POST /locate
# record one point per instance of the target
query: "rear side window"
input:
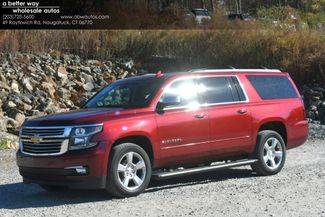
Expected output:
(273, 87)
(220, 90)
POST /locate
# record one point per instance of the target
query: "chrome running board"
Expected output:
(190, 171)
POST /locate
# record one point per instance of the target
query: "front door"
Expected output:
(183, 127)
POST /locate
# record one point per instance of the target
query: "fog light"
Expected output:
(79, 169)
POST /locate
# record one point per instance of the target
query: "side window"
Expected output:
(239, 89)
(220, 90)
(273, 87)
(216, 90)
(181, 93)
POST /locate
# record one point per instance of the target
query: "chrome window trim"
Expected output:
(65, 136)
(204, 105)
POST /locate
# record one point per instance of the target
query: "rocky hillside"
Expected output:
(39, 84)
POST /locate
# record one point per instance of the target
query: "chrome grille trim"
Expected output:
(53, 140)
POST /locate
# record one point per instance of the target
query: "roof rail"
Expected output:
(195, 70)
(235, 70)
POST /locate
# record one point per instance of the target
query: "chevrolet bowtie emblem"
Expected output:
(36, 139)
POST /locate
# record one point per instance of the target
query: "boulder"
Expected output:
(88, 86)
(20, 118)
(49, 89)
(27, 85)
(15, 86)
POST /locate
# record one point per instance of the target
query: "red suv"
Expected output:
(166, 125)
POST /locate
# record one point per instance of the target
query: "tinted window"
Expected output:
(273, 87)
(126, 94)
(180, 93)
(217, 90)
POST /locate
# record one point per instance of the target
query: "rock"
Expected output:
(15, 86)
(11, 104)
(3, 85)
(49, 69)
(71, 69)
(85, 69)
(88, 86)
(62, 74)
(12, 124)
(48, 88)
(97, 70)
(87, 78)
(44, 83)
(129, 64)
(27, 107)
(93, 62)
(20, 118)
(124, 74)
(31, 69)
(64, 93)
(37, 113)
(27, 85)
(3, 124)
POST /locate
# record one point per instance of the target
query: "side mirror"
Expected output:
(160, 108)
(168, 100)
(171, 101)
(162, 105)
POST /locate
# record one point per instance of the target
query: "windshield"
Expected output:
(131, 94)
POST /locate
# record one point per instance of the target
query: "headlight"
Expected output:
(80, 136)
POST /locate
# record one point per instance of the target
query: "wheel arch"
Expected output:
(277, 125)
(141, 140)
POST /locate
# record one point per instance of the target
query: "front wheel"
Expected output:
(271, 153)
(129, 170)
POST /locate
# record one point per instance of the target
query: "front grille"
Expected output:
(42, 132)
(43, 141)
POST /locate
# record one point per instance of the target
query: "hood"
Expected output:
(83, 116)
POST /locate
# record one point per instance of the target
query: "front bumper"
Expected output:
(86, 169)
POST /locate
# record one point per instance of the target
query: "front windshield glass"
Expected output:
(126, 94)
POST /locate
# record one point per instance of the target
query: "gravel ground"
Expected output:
(297, 191)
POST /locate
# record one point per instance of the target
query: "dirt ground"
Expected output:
(299, 190)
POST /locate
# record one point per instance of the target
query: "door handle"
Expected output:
(242, 111)
(199, 116)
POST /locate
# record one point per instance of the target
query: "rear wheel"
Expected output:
(129, 170)
(270, 152)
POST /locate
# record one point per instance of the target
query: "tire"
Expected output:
(128, 176)
(270, 145)
(53, 188)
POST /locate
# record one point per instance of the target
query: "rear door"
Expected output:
(230, 120)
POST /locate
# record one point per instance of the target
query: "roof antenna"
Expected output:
(263, 67)
(231, 67)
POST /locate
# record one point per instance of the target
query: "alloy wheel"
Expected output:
(273, 153)
(131, 171)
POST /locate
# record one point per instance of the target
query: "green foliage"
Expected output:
(4, 144)
(300, 52)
